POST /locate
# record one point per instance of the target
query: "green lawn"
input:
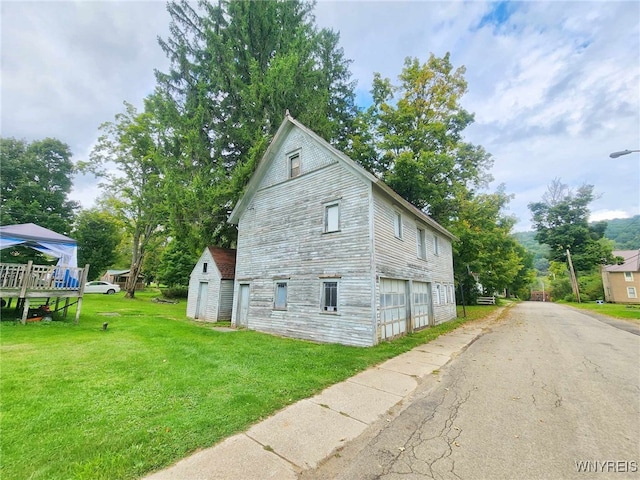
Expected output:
(80, 402)
(611, 309)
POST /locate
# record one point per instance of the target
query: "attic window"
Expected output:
(294, 165)
(204, 267)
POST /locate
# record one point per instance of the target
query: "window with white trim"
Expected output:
(436, 245)
(397, 224)
(438, 293)
(280, 296)
(628, 276)
(329, 302)
(332, 217)
(631, 292)
(294, 165)
(204, 267)
(420, 239)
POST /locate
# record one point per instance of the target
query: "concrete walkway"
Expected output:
(302, 435)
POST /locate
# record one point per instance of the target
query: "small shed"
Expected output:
(211, 285)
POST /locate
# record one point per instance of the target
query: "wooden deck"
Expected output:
(28, 282)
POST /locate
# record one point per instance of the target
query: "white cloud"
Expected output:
(555, 86)
(600, 215)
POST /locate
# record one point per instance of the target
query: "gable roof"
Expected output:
(285, 127)
(631, 261)
(225, 259)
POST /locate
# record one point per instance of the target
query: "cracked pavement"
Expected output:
(542, 389)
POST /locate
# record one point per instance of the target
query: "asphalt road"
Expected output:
(546, 393)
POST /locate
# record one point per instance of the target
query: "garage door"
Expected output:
(421, 304)
(393, 308)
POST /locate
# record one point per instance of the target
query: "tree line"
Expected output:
(236, 67)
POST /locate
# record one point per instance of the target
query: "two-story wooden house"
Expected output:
(327, 252)
(622, 282)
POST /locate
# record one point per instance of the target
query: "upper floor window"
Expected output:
(204, 267)
(294, 165)
(397, 224)
(332, 217)
(436, 245)
(628, 276)
(420, 238)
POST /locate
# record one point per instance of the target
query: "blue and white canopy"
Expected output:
(41, 239)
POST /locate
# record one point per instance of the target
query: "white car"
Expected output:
(99, 286)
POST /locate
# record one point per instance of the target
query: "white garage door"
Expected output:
(393, 307)
(421, 304)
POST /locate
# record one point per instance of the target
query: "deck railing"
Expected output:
(40, 277)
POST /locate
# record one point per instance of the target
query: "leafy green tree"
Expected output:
(36, 180)
(561, 221)
(176, 265)
(411, 137)
(98, 235)
(236, 67)
(136, 189)
(487, 247)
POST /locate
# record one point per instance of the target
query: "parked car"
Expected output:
(100, 286)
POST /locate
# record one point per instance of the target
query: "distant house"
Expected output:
(622, 282)
(210, 295)
(120, 277)
(327, 252)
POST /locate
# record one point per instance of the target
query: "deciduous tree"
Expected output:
(35, 184)
(561, 221)
(133, 143)
(411, 137)
(98, 235)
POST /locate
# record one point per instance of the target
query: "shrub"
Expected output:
(175, 292)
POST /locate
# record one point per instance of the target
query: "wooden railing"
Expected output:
(40, 277)
(486, 300)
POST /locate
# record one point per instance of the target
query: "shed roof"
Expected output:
(225, 259)
(631, 261)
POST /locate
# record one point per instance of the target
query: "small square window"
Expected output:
(294, 165)
(420, 237)
(397, 224)
(628, 276)
(280, 300)
(631, 292)
(204, 267)
(332, 218)
(330, 296)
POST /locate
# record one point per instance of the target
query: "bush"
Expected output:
(175, 292)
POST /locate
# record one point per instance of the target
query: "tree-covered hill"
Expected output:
(625, 232)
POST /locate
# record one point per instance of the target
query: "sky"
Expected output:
(554, 86)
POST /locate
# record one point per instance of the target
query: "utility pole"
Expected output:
(574, 280)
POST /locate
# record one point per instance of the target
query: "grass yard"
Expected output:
(616, 310)
(80, 402)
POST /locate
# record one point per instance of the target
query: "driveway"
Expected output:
(548, 392)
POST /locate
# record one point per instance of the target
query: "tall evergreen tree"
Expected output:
(236, 67)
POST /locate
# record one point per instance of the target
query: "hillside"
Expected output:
(625, 232)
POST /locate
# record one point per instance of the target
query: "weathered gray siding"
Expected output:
(281, 238)
(397, 258)
(226, 300)
(212, 277)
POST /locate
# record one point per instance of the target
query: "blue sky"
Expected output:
(554, 86)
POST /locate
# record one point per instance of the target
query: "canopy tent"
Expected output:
(41, 239)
